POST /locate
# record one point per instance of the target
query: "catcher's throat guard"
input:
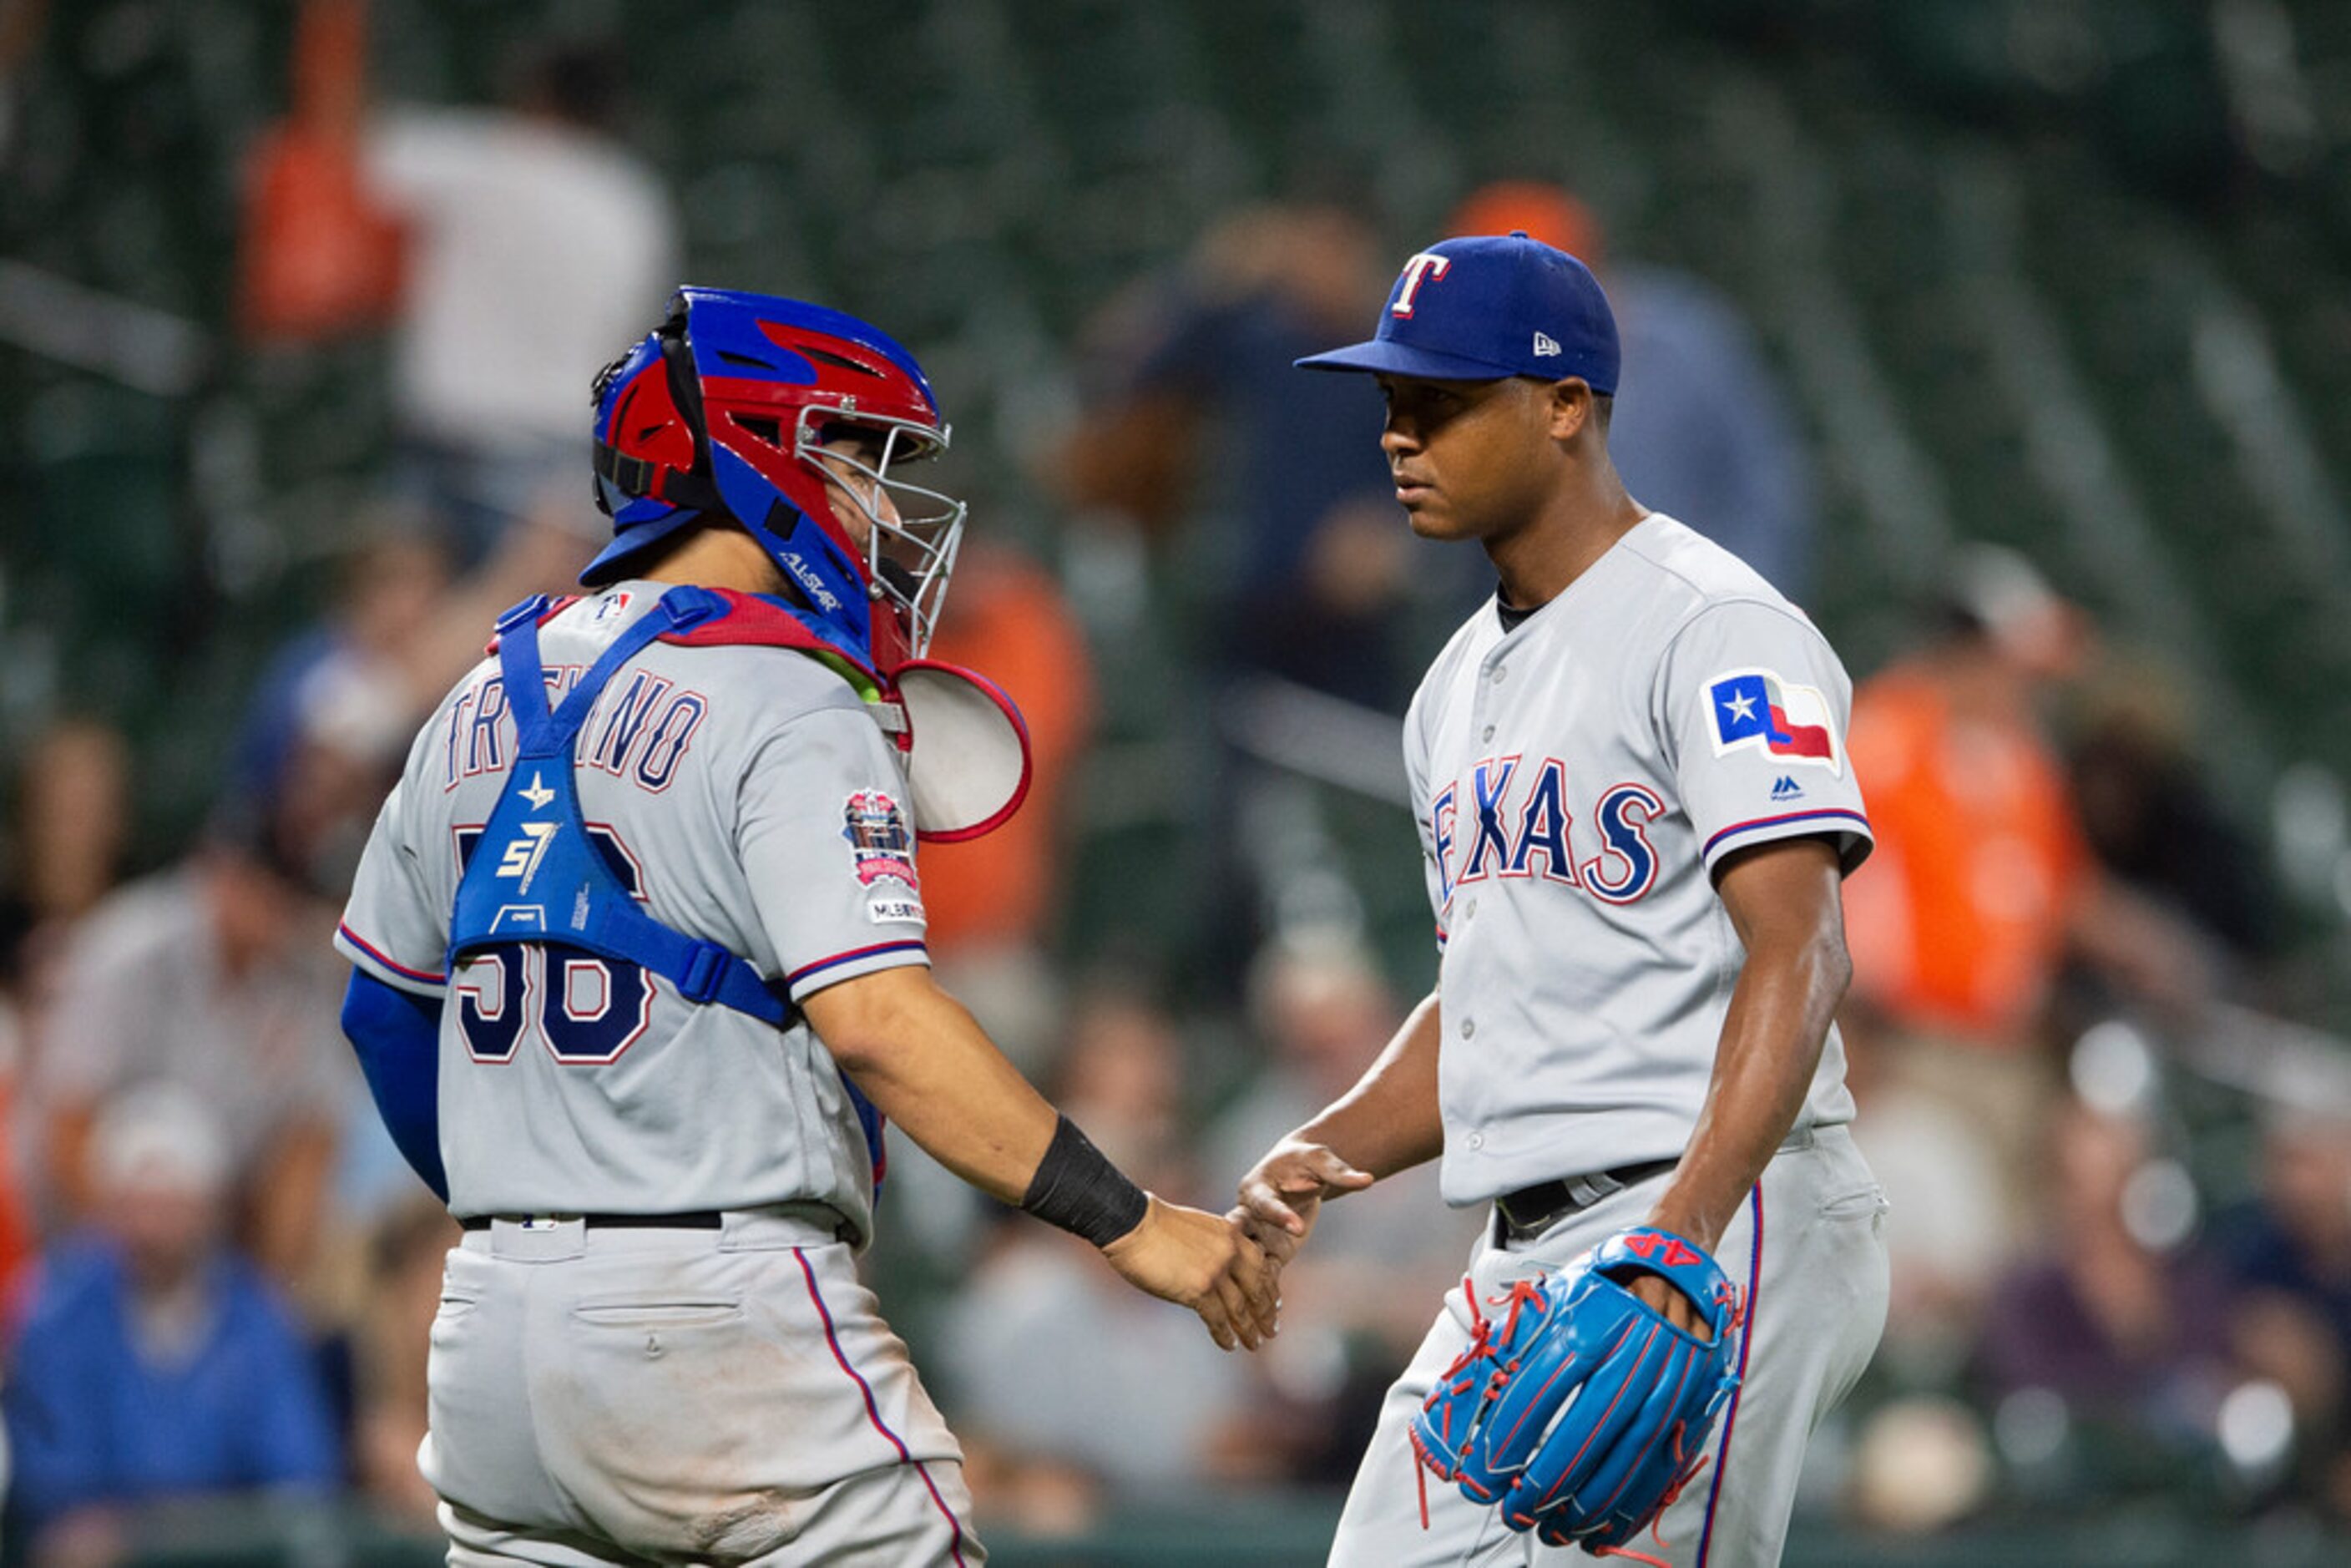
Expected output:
(1581, 1411)
(968, 759)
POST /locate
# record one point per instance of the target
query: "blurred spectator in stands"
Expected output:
(1954, 1230)
(1702, 428)
(992, 899)
(154, 1363)
(2116, 1317)
(216, 974)
(2152, 819)
(2289, 1253)
(1320, 1011)
(73, 819)
(531, 236)
(398, 632)
(72, 824)
(358, 680)
(1057, 1382)
(1291, 575)
(1299, 555)
(405, 1254)
(537, 237)
(1982, 886)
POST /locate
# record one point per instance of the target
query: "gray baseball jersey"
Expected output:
(749, 798)
(1577, 779)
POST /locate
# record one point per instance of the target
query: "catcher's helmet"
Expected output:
(722, 411)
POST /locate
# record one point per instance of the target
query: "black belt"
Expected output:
(1538, 1207)
(692, 1219)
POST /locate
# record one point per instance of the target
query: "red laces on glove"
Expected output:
(1485, 1344)
(1485, 1341)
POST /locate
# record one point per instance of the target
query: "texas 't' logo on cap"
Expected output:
(1486, 307)
(1424, 265)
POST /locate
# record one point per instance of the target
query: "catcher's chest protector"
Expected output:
(536, 876)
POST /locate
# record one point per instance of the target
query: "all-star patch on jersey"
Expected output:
(878, 840)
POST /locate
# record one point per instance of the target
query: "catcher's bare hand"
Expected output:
(1202, 1261)
(1284, 1191)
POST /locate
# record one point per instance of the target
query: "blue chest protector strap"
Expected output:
(536, 876)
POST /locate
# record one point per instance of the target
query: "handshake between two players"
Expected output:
(640, 975)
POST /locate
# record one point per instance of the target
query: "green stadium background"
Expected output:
(2068, 275)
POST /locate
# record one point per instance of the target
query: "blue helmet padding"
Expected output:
(808, 553)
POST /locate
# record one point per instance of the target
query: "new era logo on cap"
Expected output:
(1488, 306)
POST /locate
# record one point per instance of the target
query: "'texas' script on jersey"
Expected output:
(1516, 830)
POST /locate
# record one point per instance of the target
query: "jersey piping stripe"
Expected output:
(429, 976)
(805, 970)
(1746, 1344)
(1837, 813)
(873, 1411)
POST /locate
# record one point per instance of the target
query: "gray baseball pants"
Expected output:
(1808, 1252)
(607, 1395)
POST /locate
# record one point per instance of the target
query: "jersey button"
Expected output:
(1476, 1140)
(1489, 735)
(1499, 671)
(1469, 1028)
(1470, 912)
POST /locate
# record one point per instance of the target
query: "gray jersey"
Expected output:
(749, 798)
(1577, 779)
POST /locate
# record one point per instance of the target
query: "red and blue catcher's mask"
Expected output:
(724, 411)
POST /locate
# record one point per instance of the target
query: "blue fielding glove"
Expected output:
(1580, 1411)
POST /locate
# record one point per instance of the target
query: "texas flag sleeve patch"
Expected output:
(1756, 708)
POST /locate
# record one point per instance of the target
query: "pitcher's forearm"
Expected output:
(1389, 1121)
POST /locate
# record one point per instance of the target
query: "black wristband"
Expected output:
(1077, 1188)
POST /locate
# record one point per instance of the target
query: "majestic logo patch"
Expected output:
(1757, 709)
(879, 843)
(1787, 788)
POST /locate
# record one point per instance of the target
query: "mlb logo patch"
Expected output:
(1757, 709)
(879, 843)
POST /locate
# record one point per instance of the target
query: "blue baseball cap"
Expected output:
(1481, 309)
